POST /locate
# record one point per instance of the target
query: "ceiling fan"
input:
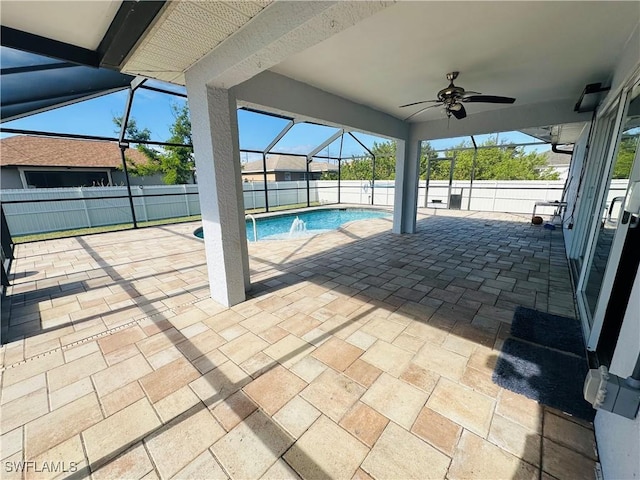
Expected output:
(452, 99)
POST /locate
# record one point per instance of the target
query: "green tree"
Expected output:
(626, 154)
(174, 163)
(360, 168)
(178, 162)
(152, 165)
(497, 162)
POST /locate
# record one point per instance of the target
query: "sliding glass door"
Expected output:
(591, 180)
(609, 227)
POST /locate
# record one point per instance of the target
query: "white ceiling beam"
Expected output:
(282, 95)
(281, 30)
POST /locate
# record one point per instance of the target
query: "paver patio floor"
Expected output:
(358, 354)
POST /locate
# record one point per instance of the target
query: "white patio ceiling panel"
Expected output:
(533, 51)
(77, 23)
(187, 31)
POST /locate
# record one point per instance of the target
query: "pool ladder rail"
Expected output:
(255, 228)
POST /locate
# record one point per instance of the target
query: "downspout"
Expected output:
(554, 149)
(583, 169)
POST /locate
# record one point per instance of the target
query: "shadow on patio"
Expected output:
(360, 351)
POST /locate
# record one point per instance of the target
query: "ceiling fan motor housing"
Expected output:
(451, 94)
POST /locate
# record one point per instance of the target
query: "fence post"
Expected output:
(84, 206)
(144, 203)
(495, 192)
(253, 195)
(186, 197)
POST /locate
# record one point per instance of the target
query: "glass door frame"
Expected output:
(615, 255)
(593, 176)
(620, 105)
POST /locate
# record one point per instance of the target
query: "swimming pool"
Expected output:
(296, 225)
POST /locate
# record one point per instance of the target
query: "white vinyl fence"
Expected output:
(280, 193)
(486, 195)
(49, 212)
(56, 214)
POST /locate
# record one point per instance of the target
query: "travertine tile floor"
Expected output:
(359, 354)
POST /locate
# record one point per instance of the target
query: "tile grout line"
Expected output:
(82, 442)
(106, 333)
(151, 459)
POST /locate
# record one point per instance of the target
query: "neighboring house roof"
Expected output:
(287, 163)
(27, 150)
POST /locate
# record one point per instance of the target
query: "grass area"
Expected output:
(107, 228)
(127, 226)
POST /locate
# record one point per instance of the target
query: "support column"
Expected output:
(217, 155)
(406, 187)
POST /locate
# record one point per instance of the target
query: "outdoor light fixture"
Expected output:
(590, 98)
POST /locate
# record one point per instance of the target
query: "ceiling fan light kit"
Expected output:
(453, 97)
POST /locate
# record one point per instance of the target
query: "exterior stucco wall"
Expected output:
(618, 437)
(257, 177)
(10, 178)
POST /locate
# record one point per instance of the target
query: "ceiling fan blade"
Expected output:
(418, 103)
(420, 111)
(459, 114)
(488, 99)
(468, 93)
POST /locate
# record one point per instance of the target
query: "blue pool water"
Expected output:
(315, 221)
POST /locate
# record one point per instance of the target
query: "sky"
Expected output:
(153, 110)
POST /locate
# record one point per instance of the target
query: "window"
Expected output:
(65, 178)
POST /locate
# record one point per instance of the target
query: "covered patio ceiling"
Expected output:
(532, 51)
